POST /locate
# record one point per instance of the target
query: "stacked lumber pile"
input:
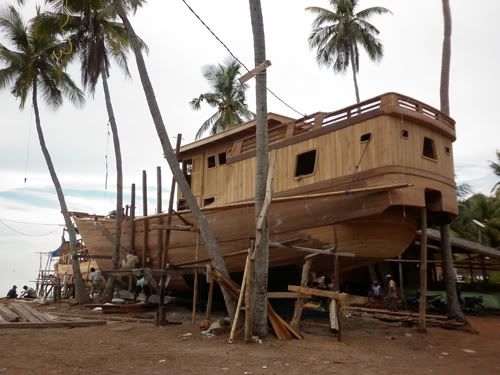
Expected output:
(281, 328)
(22, 315)
(407, 318)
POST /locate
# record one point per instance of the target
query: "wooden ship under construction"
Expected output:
(351, 181)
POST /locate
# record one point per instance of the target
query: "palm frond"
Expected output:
(208, 125)
(13, 27)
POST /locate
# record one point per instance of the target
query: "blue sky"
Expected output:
(179, 47)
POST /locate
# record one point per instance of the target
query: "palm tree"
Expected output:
(496, 170)
(228, 96)
(262, 166)
(31, 67)
(338, 33)
(95, 37)
(482, 209)
(122, 7)
(453, 304)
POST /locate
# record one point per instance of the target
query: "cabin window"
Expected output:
(429, 150)
(222, 158)
(208, 201)
(211, 161)
(404, 134)
(305, 163)
(365, 137)
(187, 169)
(447, 150)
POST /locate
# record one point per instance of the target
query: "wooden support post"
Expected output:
(471, 270)
(483, 270)
(158, 211)
(299, 303)
(401, 281)
(423, 269)
(164, 253)
(132, 217)
(209, 298)
(195, 284)
(249, 296)
(336, 270)
(240, 298)
(145, 213)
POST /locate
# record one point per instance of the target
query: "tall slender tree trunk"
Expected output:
(119, 187)
(450, 281)
(80, 294)
(262, 160)
(355, 79)
(206, 232)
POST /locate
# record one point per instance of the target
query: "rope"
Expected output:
(26, 234)
(238, 60)
(70, 49)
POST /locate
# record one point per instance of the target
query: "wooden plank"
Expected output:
(285, 295)
(299, 304)
(185, 228)
(34, 312)
(252, 73)
(24, 313)
(240, 298)
(54, 324)
(7, 314)
(328, 294)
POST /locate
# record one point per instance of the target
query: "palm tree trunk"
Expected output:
(445, 59)
(206, 232)
(262, 166)
(454, 310)
(450, 280)
(108, 293)
(80, 294)
(353, 66)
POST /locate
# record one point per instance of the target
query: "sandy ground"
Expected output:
(369, 347)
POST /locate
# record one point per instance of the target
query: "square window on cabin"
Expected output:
(305, 163)
(404, 134)
(222, 158)
(365, 137)
(429, 150)
(208, 201)
(211, 161)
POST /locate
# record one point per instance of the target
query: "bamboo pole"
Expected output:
(249, 297)
(240, 298)
(423, 269)
(158, 211)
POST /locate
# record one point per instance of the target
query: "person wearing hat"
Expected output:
(12, 294)
(392, 293)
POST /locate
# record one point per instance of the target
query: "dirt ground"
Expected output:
(369, 347)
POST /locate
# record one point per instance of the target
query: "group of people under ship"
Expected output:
(131, 261)
(27, 293)
(376, 294)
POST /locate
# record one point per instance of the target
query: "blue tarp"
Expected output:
(57, 252)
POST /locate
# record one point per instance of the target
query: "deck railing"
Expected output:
(390, 103)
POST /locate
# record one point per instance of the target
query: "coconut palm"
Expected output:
(228, 96)
(453, 304)
(123, 7)
(496, 170)
(262, 166)
(30, 67)
(96, 38)
(339, 32)
(479, 209)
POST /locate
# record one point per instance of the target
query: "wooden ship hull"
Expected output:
(352, 180)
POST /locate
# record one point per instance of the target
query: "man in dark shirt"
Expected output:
(12, 293)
